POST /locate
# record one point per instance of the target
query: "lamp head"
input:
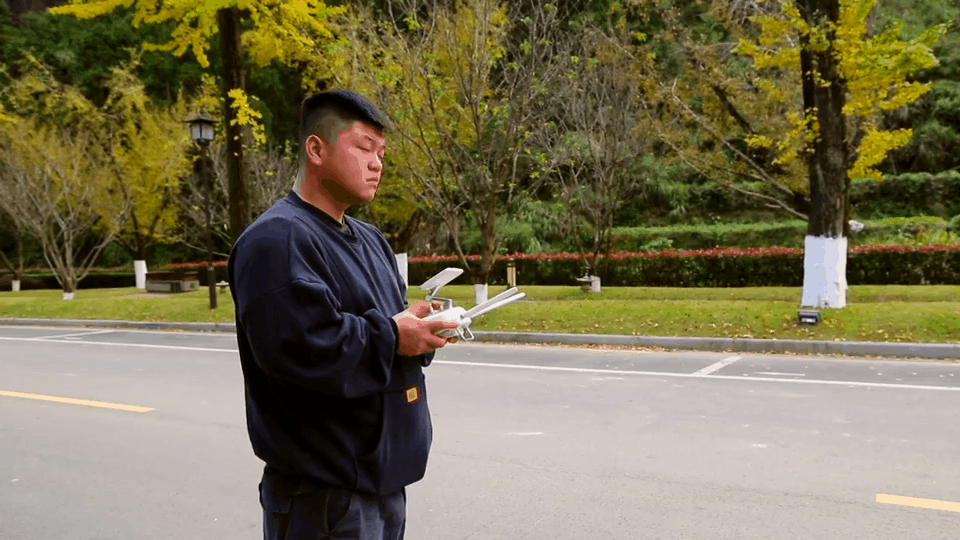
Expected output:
(201, 128)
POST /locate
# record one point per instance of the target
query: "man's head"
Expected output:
(341, 147)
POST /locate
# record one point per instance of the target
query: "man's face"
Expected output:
(353, 166)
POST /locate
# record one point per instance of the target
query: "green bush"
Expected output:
(94, 280)
(880, 267)
(911, 194)
(894, 230)
(954, 224)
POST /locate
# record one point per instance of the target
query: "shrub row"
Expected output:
(46, 280)
(106, 279)
(750, 235)
(782, 267)
(903, 195)
(909, 194)
(769, 267)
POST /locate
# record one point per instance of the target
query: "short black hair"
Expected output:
(346, 101)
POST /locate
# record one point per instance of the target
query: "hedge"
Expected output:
(766, 267)
(758, 235)
(908, 194)
(46, 280)
(779, 267)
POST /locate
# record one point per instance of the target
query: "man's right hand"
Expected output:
(418, 336)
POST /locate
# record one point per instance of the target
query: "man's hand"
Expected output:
(418, 336)
(419, 310)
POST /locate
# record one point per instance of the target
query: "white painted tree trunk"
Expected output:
(140, 271)
(403, 263)
(824, 272)
(15, 285)
(594, 283)
(479, 293)
(68, 296)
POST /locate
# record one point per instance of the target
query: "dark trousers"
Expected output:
(305, 510)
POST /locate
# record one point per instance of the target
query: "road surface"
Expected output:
(108, 434)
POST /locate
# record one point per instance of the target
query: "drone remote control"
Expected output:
(463, 317)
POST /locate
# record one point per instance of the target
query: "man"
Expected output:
(332, 361)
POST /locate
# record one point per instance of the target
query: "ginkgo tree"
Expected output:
(849, 76)
(15, 268)
(466, 99)
(280, 30)
(794, 107)
(146, 155)
(78, 176)
(54, 191)
(54, 179)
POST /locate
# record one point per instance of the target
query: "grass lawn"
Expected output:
(928, 313)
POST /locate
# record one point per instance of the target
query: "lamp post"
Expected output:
(201, 131)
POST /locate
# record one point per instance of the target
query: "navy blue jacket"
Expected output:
(327, 395)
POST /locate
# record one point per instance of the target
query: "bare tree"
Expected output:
(271, 172)
(597, 139)
(468, 104)
(14, 225)
(57, 188)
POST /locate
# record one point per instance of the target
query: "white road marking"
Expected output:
(780, 373)
(524, 433)
(717, 365)
(74, 334)
(695, 376)
(141, 345)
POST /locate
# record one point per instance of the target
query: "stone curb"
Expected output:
(853, 348)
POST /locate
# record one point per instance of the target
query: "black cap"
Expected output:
(346, 100)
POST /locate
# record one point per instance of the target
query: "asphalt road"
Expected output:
(530, 443)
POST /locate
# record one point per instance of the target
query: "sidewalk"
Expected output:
(852, 348)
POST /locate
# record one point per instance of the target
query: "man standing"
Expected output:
(332, 361)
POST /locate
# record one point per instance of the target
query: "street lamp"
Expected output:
(202, 131)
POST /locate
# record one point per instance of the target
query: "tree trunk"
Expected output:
(140, 274)
(15, 269)
(69, 287)
(825, 253)
(228, 21)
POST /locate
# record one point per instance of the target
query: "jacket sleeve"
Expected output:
(297, 333)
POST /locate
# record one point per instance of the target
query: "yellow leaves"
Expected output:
(288, 30)
(90, 9)
(875, 69)
(37, 93)
(4, 118)
(284, 30)
(120, 158)
(873, 149)
(758, 141)
(246, 115)
(54, 171)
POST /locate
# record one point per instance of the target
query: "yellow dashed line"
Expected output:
(72, 401)
(929, 504)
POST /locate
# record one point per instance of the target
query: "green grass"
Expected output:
(928, 314)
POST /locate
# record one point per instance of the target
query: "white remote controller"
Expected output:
(463, 317)
(454, 314)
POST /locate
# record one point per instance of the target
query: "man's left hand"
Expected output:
(420, 310)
